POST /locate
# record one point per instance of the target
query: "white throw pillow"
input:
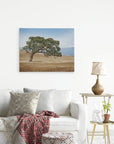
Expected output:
(61, 102)
(21, 103)
(45, 102)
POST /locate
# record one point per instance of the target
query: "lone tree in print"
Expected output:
(49, 47)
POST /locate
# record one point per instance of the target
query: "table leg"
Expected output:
(93, 133)
(86, 99)
(87, 137)
(109, 99)
(83, 100)
(105, 133)
(108, 134)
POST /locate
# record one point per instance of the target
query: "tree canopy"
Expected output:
(49, 46)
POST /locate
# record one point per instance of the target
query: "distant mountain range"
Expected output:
(67, 51)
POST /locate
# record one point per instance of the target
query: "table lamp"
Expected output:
(97, 69)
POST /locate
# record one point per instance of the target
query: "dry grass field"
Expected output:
(42, 63)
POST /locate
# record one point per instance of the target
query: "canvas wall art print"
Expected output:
(46, 49)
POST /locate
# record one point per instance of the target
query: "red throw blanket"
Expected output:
(31, 127)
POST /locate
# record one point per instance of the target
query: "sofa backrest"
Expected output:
(61, 101)
(4, 101)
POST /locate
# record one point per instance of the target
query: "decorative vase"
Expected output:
(106, 118)
(97, 88)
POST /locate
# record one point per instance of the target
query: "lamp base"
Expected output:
(97, 88)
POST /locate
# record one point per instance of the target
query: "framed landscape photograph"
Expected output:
(46, 49)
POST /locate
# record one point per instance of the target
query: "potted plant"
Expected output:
(106, 108)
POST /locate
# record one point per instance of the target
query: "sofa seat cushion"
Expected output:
(64, 123)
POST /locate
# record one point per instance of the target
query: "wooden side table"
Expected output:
(85, 96)
(106, 128)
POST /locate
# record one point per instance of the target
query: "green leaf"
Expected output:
(106, 106)
(104, 102)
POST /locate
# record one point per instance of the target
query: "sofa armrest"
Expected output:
(79, 111)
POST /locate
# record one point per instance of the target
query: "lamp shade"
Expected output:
(97, 68)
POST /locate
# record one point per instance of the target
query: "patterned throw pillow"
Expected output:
(21, 103)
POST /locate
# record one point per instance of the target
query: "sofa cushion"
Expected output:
(61, 102)
(11, 120)
(21, 103)
(57, 101)
(45, 102)
(64, 123)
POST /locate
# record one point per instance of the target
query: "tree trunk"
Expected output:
(31, 57)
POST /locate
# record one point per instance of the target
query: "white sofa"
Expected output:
(73, 120)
